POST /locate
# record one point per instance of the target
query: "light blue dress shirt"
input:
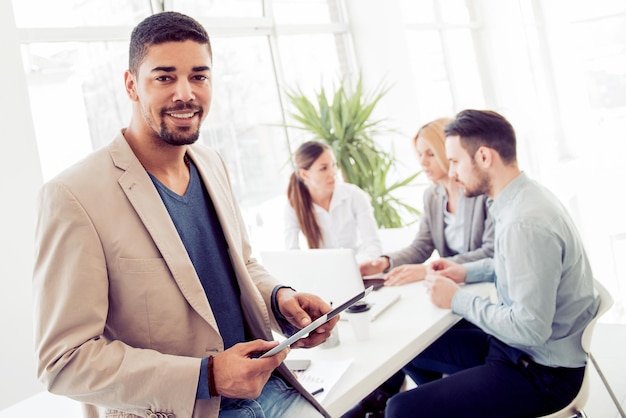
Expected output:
(542, 275)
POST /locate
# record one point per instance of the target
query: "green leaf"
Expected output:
(346, 125)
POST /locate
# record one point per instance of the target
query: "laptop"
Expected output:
(331, 274)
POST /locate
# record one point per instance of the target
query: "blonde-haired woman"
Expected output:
(329, 214)
(458, 227)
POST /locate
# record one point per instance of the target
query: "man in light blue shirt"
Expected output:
(521, 356)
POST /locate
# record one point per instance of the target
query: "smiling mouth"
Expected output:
(182, 115)
(182, 111)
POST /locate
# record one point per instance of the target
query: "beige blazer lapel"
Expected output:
(146, 201)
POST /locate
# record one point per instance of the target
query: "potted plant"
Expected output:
(345, 124)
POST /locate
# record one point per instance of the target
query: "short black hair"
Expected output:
(160, 28)
(477, 128)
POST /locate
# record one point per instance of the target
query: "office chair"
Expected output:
(575, 408)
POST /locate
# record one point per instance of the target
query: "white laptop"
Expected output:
(331, 274)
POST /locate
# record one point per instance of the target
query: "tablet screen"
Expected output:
(317, 323)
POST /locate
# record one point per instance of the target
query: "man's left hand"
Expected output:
(302, 308)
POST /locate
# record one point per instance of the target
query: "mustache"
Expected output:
(182, 106)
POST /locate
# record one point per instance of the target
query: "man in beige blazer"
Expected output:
(123, 321)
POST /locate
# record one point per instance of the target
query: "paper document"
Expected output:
(321, 376)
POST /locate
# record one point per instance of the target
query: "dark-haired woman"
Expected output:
(328, 213)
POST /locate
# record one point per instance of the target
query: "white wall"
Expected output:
(382, 54)
(381, 49)
(20, 178)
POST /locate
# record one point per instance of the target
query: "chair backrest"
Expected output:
(606, 301)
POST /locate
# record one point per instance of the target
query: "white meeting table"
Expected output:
(399, 334)
(396, 336)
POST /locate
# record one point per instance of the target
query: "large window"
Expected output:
(75, 53)
(443, 59)
(557, 70)
(78, 13)
(588, 44)
(77, 97)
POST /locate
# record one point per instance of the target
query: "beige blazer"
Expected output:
(121, 319)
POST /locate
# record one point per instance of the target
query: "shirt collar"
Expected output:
(340, 194)
(508, 194)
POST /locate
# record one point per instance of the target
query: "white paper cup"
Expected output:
(359, 316)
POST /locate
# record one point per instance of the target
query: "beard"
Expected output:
(482, 185)
(180, 136)
(184, 136)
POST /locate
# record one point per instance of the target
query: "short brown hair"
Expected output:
(161, 28)
(477, 128)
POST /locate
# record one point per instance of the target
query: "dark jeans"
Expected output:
(486, 378)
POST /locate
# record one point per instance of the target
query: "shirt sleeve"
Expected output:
(286, 327)
(203, 380)
(527, 296)
(480, 271)
(422, 245)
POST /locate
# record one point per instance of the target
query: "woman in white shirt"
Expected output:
(329, 214)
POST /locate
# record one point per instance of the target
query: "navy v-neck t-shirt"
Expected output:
(200, 230)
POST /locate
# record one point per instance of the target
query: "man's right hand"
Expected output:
(238, 375)
(375, 266)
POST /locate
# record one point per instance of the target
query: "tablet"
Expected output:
(317, 323)
(376, 282)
